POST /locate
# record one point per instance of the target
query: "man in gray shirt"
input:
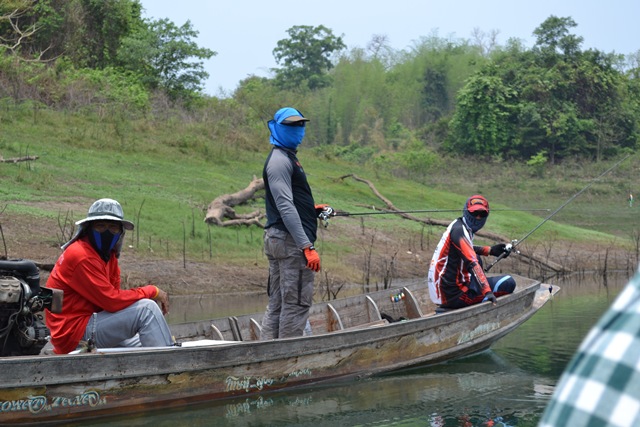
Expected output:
(290, 231)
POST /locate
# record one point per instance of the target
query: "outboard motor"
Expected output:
(22, 303)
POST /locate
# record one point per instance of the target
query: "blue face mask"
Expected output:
(104, 242)
(286, 136)
(472, 221)
(475, 224)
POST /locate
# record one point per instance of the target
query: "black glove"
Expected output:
(499, 249)
(489, 296)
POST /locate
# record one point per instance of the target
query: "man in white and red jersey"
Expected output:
(456, 278)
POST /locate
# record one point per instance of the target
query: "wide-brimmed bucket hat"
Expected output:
(107, 209)
(103, 209)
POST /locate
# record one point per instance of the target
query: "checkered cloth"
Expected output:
(601, 384)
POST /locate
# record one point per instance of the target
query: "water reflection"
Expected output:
(547, 341)
(188, 308)
(473, 390)
(508, 385)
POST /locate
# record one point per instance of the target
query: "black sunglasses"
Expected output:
(480, 214)
(300, 123)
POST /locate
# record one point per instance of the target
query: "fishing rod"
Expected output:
(428, 210)
(324, 216)
(514, 243)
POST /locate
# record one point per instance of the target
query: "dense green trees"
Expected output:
(161, 53)
(85, 32)
(403, 110)
(106, 35)
(484, 119)
(554, 98)
(306, 57)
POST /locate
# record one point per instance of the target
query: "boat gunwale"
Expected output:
(326, 342)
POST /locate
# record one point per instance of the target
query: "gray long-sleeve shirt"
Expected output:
(289, 202)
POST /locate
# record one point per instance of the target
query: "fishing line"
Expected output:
(429, 210)
(515, 243)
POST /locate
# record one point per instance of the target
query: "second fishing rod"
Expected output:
(515, 243)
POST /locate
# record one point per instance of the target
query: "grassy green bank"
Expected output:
(165, 173)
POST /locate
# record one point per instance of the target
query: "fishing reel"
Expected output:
(325, 214)
(511, 247)
(508, 248)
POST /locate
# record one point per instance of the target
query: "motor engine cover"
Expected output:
(10, 290)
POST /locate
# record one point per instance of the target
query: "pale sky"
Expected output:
(245, 32)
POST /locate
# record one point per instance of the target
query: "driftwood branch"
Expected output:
(18, 159)
(220, 211)
(18, 34)
(13, 39)
(491, 236)
(390, 207)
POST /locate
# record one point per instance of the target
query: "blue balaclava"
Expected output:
(283, 135)
(103, 242)
(469, 212)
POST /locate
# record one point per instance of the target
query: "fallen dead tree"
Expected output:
(429, 221)
(221, 210)
(529, 258)
(18, 159)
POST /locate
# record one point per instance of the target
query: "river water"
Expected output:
(508, 385)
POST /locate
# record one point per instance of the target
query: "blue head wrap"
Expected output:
(283, 135)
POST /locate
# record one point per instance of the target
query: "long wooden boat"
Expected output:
(223, 358)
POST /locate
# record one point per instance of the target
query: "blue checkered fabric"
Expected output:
(601, 384)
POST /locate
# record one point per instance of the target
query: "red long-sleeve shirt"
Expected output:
(90, 285)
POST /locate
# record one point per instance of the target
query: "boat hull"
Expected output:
(63, 387)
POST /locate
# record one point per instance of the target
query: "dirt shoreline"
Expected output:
(34, 239)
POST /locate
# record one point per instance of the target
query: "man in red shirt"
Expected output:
(456, 278)
(95, 309)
